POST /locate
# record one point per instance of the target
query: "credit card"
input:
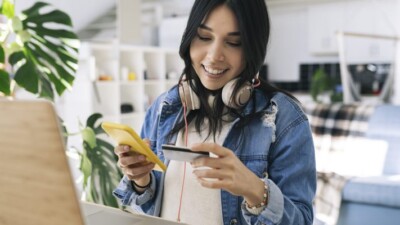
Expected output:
(173, 152)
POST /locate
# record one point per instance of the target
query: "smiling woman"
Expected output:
(261, 164)
(216, 51)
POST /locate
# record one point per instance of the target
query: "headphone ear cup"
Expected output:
(242, 96)
(188, 97)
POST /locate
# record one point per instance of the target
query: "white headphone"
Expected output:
(192, 101)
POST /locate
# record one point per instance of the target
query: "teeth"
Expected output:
(213, 71)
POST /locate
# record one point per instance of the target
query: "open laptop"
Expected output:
(36, 186)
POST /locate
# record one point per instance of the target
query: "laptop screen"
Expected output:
(36, 186)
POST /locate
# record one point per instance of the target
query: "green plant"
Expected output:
(41, 50)
(39, 53)
(98, 164)
(322, 83)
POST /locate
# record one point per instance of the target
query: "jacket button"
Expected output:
(233, 222)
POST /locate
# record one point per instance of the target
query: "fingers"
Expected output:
(131, 159)
(214, 184)
(210, 173)
(147, 141)
(121, 149)
(138, 171)
(133, 165)
(215, 163)
(211, 147)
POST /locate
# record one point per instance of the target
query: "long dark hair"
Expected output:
(254, 28)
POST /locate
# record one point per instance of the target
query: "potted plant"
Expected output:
(323, 84)
(39, 53)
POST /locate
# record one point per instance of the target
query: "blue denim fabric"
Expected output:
(278, 144)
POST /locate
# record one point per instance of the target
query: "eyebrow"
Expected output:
(236, 33)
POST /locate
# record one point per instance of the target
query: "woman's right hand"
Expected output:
(134, 165)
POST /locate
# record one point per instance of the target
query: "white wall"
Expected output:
(302, 33)
(82, 12)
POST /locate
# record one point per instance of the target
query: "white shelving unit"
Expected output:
(132, 75)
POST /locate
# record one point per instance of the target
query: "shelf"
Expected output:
(121, 61)
(134, 115)
(153, 82)
(132, 83)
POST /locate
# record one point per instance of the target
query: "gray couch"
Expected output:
(372, 199)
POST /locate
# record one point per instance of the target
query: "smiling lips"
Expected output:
(213, 71)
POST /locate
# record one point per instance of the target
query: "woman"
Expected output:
(262, 165)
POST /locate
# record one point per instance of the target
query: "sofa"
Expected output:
(360, 144)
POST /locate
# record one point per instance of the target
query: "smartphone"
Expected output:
(124, 135)
(173, 152)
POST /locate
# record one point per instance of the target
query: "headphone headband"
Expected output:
(192, 102)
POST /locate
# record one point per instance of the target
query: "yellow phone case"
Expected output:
(124, 135)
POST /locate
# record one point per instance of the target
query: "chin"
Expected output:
(212, 87)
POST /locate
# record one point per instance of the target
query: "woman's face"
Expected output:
(216, 52)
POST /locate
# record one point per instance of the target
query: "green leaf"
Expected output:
(2, 54)
(34, 10)
(86, 168)
(107, 196)
(16, 24)
(93, 189)
(7, 8)
(64, 130)
(105, 174)
(49, 57)
(91, 122)
(55, 16)
(60, 83)
(5, 82)
(89, 136)
(27, 75)
(46, 90)
(320, 83)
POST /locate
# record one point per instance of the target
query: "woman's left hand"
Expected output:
(227, 172)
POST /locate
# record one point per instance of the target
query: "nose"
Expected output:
(216, 53)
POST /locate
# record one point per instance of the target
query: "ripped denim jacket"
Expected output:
(278, 144)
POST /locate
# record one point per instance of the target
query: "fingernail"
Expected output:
(126, 148)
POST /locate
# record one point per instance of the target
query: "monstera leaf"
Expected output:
(4, 76)
(98, 164)
(47, 61)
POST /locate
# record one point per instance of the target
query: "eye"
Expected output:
(235, 44)
(203, 38)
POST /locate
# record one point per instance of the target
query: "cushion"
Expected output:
(380, 190)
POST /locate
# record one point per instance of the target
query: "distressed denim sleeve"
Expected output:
(139, 202)
(292, 179)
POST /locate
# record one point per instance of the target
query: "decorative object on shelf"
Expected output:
(322, 84)
(105, 77)
(132, 76)
(127, 108)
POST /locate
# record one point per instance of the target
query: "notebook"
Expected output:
(36, 185)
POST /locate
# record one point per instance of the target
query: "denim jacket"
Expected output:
(277, 146)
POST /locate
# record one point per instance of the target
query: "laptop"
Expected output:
(36, 185)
